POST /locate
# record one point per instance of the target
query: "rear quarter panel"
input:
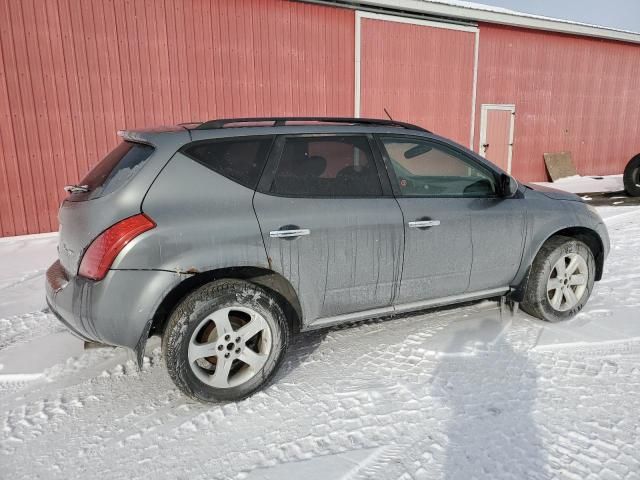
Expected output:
(204, 222)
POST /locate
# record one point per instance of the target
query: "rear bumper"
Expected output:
(117, 310)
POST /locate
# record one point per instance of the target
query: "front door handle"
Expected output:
(424, 223)
(298, 232)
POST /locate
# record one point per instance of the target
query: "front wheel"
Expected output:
(561, 280)
(225, 340)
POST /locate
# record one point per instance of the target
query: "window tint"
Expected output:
(240, 159)
(114, 170)
(340, 166)
(423, 168)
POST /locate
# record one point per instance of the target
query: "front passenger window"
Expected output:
(426, 169)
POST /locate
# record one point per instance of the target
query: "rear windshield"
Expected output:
(114, 170)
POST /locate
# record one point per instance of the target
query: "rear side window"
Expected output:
(114, 170)
(327, 166)
(240, 159)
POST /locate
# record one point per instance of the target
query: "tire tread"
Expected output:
(176, 329)
(629, 182)
(533, 302)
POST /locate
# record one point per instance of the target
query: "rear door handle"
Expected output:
(289, 233)
(424, 223)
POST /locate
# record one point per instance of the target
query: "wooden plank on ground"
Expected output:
(560, 165)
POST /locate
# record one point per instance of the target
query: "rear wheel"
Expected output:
(561, 280)
(632, 177)
(225, 341)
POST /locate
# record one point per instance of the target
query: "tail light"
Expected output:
(97, 259)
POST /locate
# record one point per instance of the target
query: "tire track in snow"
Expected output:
(24, 278)
(490, 409)
(23, 328)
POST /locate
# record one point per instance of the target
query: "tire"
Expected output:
(632, 177)
(249, 346)
(541, 298)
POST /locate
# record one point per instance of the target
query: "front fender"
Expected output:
(547, 217)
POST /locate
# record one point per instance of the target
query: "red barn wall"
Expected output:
(420, 74)
(571, 93)
(73, 72)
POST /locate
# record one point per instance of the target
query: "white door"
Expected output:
(496, 134)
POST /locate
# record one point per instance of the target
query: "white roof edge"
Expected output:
(473, 12)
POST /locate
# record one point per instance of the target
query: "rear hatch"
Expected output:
(113, 190)
(96, 202)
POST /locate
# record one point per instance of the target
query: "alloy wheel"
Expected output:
(567, 282)
(229, 347)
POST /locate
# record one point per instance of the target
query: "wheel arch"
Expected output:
(273, 282)
(586, 235)
(590, 238)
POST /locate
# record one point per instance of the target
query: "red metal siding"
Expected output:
(420, 74)
(571, 93)
(73, 72)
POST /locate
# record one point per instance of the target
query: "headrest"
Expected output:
(314, 165)
(347, 172)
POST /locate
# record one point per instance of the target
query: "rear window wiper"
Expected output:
(76, 188)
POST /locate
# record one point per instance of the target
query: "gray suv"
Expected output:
(227, 237)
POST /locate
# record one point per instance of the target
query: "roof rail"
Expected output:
(279, 121)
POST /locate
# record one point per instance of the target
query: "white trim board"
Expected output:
(482, 13)
(413, 21)
(483, 127)
(356, 91)
(474, 94)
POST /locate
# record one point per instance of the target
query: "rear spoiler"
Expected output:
(152, 136)
(133, 136)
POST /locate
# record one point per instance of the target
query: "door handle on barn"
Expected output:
(424, 223)
(289, 233)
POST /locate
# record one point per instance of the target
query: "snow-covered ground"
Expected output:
(456, 393)
(579, 184)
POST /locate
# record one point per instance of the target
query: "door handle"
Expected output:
(424, 223)
(289, 233)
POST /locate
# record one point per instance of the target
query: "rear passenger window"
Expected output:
(240, 159)
(327, 166)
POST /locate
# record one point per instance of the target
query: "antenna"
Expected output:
(385, 111)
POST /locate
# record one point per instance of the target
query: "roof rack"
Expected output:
(280, 121)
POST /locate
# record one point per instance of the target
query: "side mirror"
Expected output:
(508, 186)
